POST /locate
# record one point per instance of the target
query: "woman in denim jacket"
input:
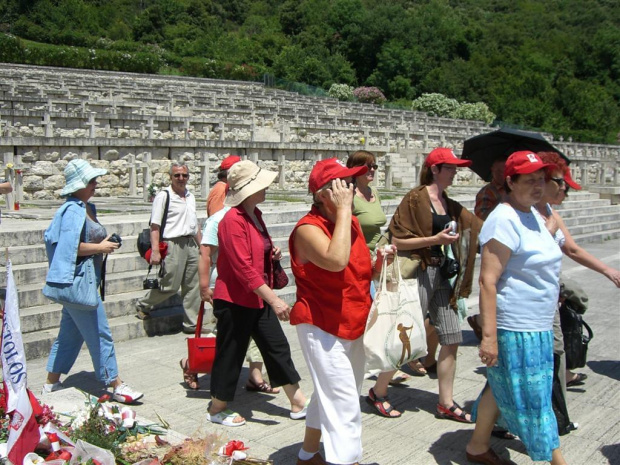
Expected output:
(75, 234)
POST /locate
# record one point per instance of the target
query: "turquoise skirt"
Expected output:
(521, 385)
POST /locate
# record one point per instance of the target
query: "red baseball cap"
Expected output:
(442, 155)
(229, 161)
(524, 162)
(568, 179)
(330, 169)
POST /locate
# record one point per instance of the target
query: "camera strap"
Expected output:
(102, 282)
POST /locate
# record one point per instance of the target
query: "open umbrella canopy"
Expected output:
(484, 149)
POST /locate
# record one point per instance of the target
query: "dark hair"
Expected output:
(513, 178)
(426, 174)
(222, 175)
(360, 158)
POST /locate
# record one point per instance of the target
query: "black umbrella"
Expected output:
(484, 149)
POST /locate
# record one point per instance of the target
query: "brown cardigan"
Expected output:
(413, 218)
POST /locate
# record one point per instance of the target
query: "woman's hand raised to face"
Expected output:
(341, 193)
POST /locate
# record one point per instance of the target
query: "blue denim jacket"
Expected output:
(62, 239)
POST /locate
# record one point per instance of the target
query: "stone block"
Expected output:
(111, 154)
(50, 183)
(32, 183)
(49, 156)
(42, 168)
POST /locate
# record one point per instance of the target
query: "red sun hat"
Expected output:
(325, 171)
(524, 162)
(229, 161)
(568, 179)
(442, 155)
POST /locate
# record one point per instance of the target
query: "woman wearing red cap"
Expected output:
(519, 286)
(559, 181)
(332, 269)
(421, 225)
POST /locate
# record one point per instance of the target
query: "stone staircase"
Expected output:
(589, 218)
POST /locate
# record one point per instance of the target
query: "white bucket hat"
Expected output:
(244, 179)
(78, 174)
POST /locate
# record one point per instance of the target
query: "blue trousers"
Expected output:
(77, 327)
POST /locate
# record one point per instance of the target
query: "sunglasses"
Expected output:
(372, 166)
(559, 181)
(181, 175)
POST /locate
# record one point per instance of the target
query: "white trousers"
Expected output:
(337, 369)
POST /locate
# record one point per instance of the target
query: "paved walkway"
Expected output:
(152, 365)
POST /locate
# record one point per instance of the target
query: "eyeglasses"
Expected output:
(559, 181)
(181, 175)
(372, 166)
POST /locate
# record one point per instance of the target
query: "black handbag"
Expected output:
(575, 338)
(448, 267)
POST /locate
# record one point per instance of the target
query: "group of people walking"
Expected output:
(334, 259)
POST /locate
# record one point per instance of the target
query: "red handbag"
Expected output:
(200, 350)
(280, 279)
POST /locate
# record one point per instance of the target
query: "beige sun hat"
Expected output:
(244, 179)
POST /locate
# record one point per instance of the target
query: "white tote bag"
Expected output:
(395, 331)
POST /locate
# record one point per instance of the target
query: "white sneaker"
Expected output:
(125, 395)
(47, 388)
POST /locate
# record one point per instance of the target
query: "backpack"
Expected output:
(144, 238)
(575, 340)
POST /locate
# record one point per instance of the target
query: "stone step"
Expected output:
(30, 293)
(124, 326)
(596, 237)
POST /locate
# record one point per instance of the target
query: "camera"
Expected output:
(452, 226)
(150, 283)
(116, 239)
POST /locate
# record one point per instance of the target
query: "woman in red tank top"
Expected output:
(332, 269)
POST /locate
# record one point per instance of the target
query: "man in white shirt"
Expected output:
(182, 234)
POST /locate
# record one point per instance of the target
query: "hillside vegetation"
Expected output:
(552, 65)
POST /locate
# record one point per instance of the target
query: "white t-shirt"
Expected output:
(528, 289)
(182, 220)
(209, 237)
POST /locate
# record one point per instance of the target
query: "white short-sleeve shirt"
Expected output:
(182, 219)
(528, 289)
(209, 237)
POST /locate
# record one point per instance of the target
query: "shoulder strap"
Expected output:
(165, 217)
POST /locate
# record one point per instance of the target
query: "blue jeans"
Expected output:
(77, 327)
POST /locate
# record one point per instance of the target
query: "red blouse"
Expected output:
(241, 259)
(336, 302)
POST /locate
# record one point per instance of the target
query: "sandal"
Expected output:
(226, 418)
(264, 387)
(417, 368)
(191, 379)
(378, 402)
(577, 380)
(473, 322)
(431, 369)
(399, 378)
(502, 433)
(450, 413)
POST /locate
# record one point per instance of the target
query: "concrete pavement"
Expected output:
(152, 366)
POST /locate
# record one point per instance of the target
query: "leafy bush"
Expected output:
(342, 92)
(11, 49)
(442, 106)
(369, 95)
(474, 111)
(435, 105)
